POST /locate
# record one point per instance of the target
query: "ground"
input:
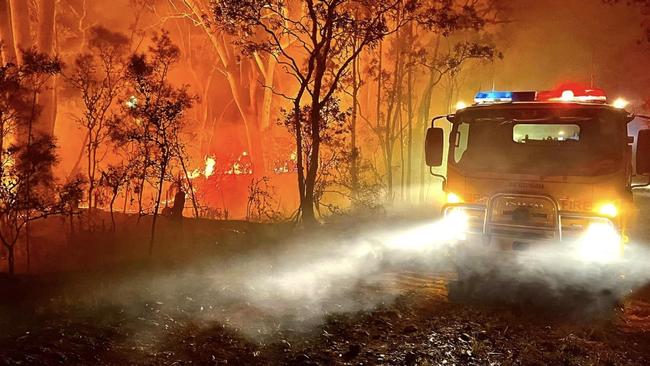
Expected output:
(314, 301)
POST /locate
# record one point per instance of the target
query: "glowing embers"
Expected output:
(241, 166)
(132, 102)
(286, 166)
(600, 243)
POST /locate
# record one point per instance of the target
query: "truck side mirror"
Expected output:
(642, 152)
(434, 143)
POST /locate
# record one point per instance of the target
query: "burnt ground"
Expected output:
(164, 313)
(417, 326)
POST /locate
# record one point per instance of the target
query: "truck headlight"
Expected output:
(608, 209)
(456, 224)
(600, 243)
(453, 198)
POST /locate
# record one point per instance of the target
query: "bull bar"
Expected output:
(558, 215)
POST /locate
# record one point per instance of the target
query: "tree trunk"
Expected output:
(409, 133)
(27, 247)
(425, 106)
(112, 213)
(30, 131)
(189, 183)
(20, 24)
(47, 97)
(161, 180)
(401, 149)
(90, 172)
(379, 90)
(80, 157)
(269, 75)
(299, 153)
(354, 152)
(391, 123)
(71, 215)
(126, 197)
(141, 193)
(6, 33)
(11, 260)
(308, 214)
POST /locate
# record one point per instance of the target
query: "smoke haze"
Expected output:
(549, 42)
(298, 284)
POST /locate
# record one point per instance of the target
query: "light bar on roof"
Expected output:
(488, 97)
(493, 97)
(573, 95)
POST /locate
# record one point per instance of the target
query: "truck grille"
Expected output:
(523, 211)
(523, 216)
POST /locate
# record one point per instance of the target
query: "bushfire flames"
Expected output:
(239, 166)
(208, 169)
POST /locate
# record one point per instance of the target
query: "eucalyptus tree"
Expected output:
(316, 43)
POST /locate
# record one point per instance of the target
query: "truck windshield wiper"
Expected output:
(523, 120)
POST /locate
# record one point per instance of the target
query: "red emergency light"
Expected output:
(573, 94)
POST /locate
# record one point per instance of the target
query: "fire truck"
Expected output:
(528, 169)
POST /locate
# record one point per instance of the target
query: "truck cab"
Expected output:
(526, 169)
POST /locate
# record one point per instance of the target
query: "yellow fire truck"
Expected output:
(531, 168)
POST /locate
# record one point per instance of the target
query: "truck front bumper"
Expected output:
(586, 236)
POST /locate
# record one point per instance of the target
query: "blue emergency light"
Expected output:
(487, 97)
(493, 97)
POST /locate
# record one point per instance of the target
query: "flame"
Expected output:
(240, 167)
(210, 163)
(208, 169)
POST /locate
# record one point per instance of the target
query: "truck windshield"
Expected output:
(551, 145)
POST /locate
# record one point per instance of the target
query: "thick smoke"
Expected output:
(297, 285)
